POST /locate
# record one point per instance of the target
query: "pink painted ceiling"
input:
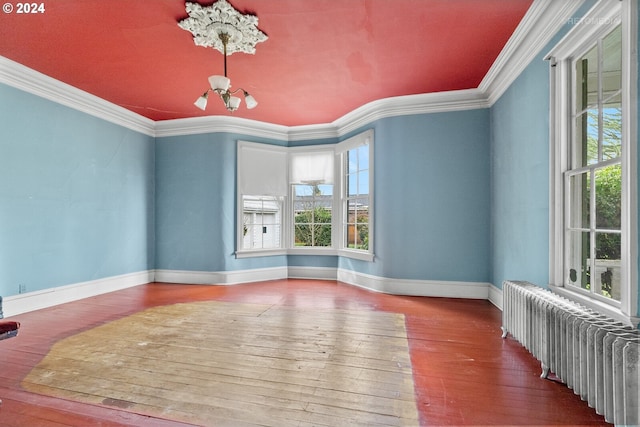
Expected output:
(323, 58)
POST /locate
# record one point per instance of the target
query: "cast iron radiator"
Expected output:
(596, 356)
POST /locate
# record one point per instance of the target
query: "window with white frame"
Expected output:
(262, 192)
(306, 200)
(356, 201)
(311, 177)
(593, 194)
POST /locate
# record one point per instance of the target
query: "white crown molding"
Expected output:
(539, 25)
(436, 102)
(26, 79)
(212, 124)
(398, 106)
(541, 22)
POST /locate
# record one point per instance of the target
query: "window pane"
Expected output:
(262, 226)
(363, 157)
(361, 236)
(363, 182)
(586, 80)
(579, 193)
(352, 161)
(312, 215)
(352, 184)
(313, 235)
(303, 235)
(358, 236)
(612, 131)
(578, 266)
(608, 265)
(351, 236)
(608, 197)
(585, 144)
(361, 204)
(612, 62)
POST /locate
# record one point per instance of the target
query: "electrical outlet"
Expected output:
(22, 288)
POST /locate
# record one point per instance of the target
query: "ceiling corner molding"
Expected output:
(389, 107)
(213, 124)
(28, 80)
(436, 102)
(313, 132)
(540, 24)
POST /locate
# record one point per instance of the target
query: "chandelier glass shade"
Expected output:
(221, 85)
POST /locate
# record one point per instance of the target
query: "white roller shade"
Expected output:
(262, 169)
(312, 167)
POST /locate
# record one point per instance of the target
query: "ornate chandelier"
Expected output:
(221, 27)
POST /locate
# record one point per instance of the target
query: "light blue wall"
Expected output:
(431, 198)
(431, 201)
(520, 173)
(520, 179)
(196, 204)
(76, 196)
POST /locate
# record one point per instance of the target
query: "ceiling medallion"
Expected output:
(208, 23)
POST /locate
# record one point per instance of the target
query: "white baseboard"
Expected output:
(220, 277)
(423, 288)
(321, 273)
(495, 296)
(30, 301)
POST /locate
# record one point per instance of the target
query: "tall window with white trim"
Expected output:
(593, 165)
(357, 192)
(357, 198)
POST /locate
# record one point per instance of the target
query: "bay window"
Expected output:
(315, 200)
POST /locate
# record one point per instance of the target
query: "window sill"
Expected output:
(599, 306)
(312, 251)
(248, 253)
(363, 256)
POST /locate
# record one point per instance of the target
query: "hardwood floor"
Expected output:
(463, 371)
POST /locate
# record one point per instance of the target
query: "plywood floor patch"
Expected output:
(222, 363)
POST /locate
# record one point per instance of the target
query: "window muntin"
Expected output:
(594, 176)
